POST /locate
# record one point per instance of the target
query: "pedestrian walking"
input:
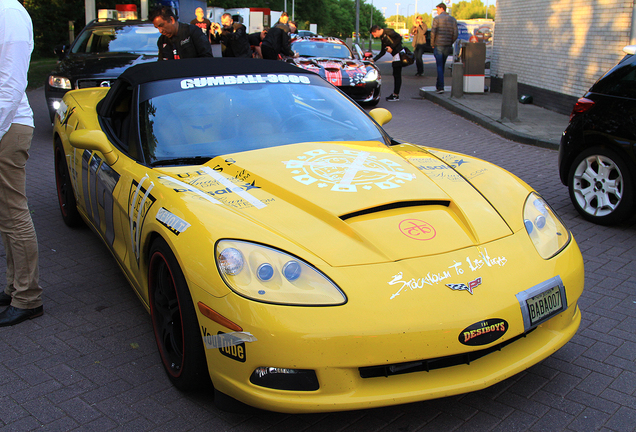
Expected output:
(443, 35)
(391, 43)
(22, 294)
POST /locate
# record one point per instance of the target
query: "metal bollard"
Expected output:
(509, 98)
(457, 90)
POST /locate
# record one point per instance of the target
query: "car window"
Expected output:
(321, 49)
(135, 39)
(223, 115)
(619, 81)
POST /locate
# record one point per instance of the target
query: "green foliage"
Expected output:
(333, 17)
(471, 10)
(51, 21)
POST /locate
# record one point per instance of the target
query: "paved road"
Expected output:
(91, 362)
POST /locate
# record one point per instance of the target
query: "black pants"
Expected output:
(269, 53)
(397, 76)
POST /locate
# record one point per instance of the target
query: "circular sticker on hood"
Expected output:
(483, 332)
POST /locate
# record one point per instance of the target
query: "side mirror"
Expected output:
(381, 115)
(94, 140)
(368, 55)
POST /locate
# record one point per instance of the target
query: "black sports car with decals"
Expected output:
(352, 71)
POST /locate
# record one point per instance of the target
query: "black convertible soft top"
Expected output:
(204, 67)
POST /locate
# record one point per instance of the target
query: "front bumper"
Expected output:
(375, 330)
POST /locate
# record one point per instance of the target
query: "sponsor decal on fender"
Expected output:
(483, 332)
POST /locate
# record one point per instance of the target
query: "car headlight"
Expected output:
(372, 75)
(59, 82)
(548, 234)
(271, 276)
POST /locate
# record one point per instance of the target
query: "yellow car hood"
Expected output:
(348, 203)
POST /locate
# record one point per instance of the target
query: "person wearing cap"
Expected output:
(178, 40)
(443, 35)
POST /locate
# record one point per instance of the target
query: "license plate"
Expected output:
(544, 305)
(542, 301)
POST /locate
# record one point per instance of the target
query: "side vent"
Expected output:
(393, 206)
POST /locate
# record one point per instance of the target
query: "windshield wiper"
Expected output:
(193, 160)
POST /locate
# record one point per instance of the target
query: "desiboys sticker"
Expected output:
(483, 332)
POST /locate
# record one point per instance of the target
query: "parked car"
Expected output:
(352, 71)
(99, 54)
(597, 157)
(293, 254)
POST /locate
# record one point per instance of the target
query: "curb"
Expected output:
(486, 122)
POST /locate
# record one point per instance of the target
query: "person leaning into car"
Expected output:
(391, 43)
(22, 294)
(277, 42)
(178, 40)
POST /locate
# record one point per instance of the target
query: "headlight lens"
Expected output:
(546, 230)
(372, 75)
(59, 82)
(271, 276)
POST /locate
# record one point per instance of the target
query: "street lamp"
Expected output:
(384, 11)
(397, 11)
(408, 8)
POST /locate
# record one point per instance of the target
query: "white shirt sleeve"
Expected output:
(16, 45)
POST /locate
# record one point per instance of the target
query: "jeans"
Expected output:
(441, 53)
(419, 52)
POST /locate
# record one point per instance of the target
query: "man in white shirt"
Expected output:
(22, 294)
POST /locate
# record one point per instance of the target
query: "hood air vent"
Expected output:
(393, 206)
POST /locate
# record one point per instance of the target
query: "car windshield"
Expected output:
(205, 117)
(141, 39)
(321, 49)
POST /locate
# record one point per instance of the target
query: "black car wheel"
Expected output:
(65, 195)
(601, 186)
(174, 321)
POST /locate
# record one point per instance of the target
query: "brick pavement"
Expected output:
(91, 362)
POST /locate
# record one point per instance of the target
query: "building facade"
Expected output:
(558, 48)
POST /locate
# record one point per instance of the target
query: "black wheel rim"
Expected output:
(166, 315)
(62, 180)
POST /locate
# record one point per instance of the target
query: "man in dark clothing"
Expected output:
(283, 22)
(178, 40)
(391, 43)
(443, 35)
(203, 23)
(234, 38)
(277, 42)
(255, 40)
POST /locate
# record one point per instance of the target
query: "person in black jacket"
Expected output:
(277, 42)
(391, 43)
(178, 40)
(234, 38)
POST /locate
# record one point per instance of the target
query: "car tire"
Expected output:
(174, 321)
(601, 186)
(65, 194)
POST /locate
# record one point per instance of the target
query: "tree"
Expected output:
(472, 10)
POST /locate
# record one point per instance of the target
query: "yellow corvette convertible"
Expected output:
(294, 256)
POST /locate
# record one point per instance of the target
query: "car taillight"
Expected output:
(581, 106)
